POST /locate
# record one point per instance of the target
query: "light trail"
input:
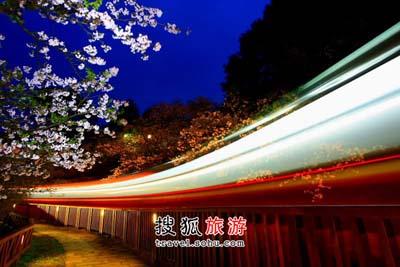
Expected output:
(363, 114)
(357, 63)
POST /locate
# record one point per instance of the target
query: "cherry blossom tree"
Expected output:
(154, 138)
(206, 132)
(45, 115)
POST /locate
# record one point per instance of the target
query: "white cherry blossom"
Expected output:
(45, 115)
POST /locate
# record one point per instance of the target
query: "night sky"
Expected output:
(187, 65)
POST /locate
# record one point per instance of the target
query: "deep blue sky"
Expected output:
(186, 67)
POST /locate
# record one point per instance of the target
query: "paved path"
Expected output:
(64, 246)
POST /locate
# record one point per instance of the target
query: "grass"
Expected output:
(45, 251)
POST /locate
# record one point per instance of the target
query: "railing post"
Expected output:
(78, 217)
(89, 221)
(124, 226)
(101, 221)
(113, 222)
(46, 217)
(66, 216)
(56, 213)
(137, 230)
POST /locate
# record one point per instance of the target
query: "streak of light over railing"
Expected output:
(353, 106)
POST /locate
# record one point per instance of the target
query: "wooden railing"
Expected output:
(14, 245)
(275, 237)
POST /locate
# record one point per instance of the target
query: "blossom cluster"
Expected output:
(116, 17)
(45, 118)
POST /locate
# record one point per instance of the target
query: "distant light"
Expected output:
(57, 208)
(149, 136)
(126, 135)
(102, 213)
(154, 217)
(14, 206)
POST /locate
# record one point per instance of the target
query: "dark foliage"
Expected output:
(11, 223)
(296, 40)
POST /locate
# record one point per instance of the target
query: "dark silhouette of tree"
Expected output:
(130, 113)
(296, 40)
(200, 105)
(127, 115)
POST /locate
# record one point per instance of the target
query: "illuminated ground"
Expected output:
(60, 246)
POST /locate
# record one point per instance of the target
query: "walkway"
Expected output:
(64, 246)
